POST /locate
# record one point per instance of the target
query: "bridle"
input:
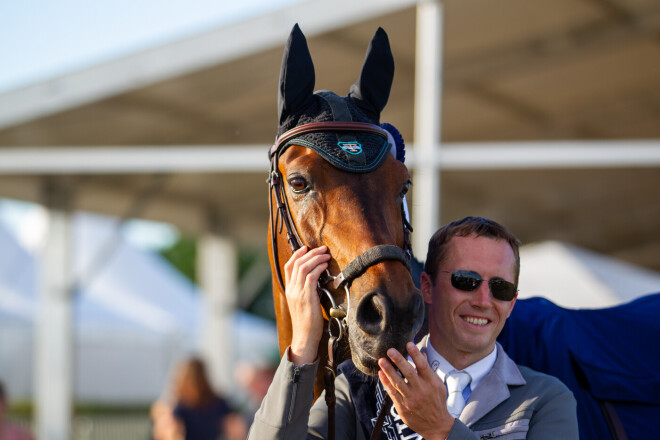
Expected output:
(362, 262)
(282, 218)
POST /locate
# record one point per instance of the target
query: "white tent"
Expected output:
(135, 317)
(16, 314)
(573, 277)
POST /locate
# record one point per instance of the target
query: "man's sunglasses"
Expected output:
(468, 281)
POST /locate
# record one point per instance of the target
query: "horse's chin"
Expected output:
(367, 360)
(365, 363)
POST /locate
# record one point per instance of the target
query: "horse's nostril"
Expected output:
(376, 313)
(371, 313)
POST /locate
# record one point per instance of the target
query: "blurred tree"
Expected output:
(262, 305)
(183, 255)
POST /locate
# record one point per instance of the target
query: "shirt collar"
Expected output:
(477, 371)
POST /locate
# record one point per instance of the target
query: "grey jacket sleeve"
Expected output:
(346, 424)
(287, 411)
(284, 412)
(461, 432)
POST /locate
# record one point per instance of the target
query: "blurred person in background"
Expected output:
(198, 413)
(8, 430)
(254, 378)
(164, 425)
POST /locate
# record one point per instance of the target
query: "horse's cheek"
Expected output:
(309, 220)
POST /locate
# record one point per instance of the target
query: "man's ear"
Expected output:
(426, 285)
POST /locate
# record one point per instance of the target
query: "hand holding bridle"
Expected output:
(302, 273)
(420, 399)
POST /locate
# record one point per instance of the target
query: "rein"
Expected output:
(282, 219)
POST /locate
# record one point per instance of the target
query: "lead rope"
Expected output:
(384, 409)
(329, 378)
(329, 382)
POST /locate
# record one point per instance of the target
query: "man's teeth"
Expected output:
(476, 321)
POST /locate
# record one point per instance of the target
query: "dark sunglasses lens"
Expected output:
(502, 290)
(465, 280)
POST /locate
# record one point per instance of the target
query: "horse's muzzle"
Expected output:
(382, 324)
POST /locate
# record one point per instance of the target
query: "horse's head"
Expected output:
(335, 183)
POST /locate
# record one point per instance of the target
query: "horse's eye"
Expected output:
(406, 187)
(298, 184)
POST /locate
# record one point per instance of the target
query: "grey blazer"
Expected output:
(511, 402)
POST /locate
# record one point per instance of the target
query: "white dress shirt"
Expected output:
(477, 371)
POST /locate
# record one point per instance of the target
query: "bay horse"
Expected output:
(335, 180)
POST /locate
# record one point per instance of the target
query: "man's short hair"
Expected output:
(479, 226)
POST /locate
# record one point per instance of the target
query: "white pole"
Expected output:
(427, 129)
(217, 268)
(54, 328)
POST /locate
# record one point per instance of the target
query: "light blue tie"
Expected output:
(456, 381)
(467, 391)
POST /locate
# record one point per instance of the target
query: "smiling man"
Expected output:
(459, 383)
(456, 383)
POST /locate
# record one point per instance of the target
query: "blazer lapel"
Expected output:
(493, 389)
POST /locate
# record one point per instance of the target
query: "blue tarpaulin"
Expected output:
(603, 355)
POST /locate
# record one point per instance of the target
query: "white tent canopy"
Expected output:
(574, 277)
(135, 317)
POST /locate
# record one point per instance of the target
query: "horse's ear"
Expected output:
(372, 89)
(296, 77)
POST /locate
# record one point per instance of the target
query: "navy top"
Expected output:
(203, 423)
(602, 355)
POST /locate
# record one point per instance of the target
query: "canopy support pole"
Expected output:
(218, 273)
(427, 124)
(54, 327)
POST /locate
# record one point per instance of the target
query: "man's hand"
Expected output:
(420, 399)
(302, 272)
